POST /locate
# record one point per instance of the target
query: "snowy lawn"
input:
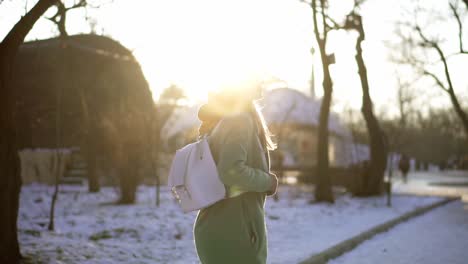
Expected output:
(91, 229)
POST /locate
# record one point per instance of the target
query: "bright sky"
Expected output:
(199, 45)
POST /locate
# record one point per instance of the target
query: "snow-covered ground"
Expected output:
(91, 229)
(440, 236)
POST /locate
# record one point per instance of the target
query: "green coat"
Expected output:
(233, 230)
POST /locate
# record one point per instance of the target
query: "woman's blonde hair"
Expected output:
(265, 134)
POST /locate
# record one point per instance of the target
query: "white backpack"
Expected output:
(193, 177)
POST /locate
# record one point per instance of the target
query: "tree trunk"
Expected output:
(450, 90)
(56, 171)
(155, 149)
(128, 180)
(378, 148)
(93, 179)
(459, 110)
(88, 145)
(61, 22)
(90, 157)
(323, 192)
(10, 179)
(58, 156)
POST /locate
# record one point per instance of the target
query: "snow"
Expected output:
(440, 236)
(91, 229)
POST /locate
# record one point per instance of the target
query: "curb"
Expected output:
(349, 244)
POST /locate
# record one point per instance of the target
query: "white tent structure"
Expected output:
(182, 119)
(289, 106)
(283, 106)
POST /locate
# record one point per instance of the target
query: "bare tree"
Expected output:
(155, 149)
(9, 160)
(172, 94)
(60, 16)
(429, 130)
(58, 144)
(323, 192)
(88, 145)
(132, 151)
(168, 101)
(405, 100)
(378, 146)
(152, 135)
(397, 128)
(419, 47)
(57, 156)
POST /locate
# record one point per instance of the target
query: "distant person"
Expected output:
(233, 230)
(404, 166)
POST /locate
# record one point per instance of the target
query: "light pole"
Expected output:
(312, 77)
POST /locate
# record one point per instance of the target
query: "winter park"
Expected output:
(250, 131)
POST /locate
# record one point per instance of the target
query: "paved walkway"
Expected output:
(445, 183)
(440, 236)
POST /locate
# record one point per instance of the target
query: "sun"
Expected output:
(201, 45)
(210, 43)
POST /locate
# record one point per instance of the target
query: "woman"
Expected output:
(233, 230)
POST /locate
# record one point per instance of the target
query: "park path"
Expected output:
(435, 183)
(440, 236)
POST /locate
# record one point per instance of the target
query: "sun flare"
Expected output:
(201, 45)
(201, 49)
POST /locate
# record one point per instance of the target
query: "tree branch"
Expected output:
(81, 3)
(426, 42)
(16, 36)
(326, 28)
(310, 2)
(314, 11)
(59, 19)
(432, 44)
(436, 79)
(335, 25)
(446, 69)
(460, 27)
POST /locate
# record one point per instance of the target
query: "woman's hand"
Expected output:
(274, 185)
